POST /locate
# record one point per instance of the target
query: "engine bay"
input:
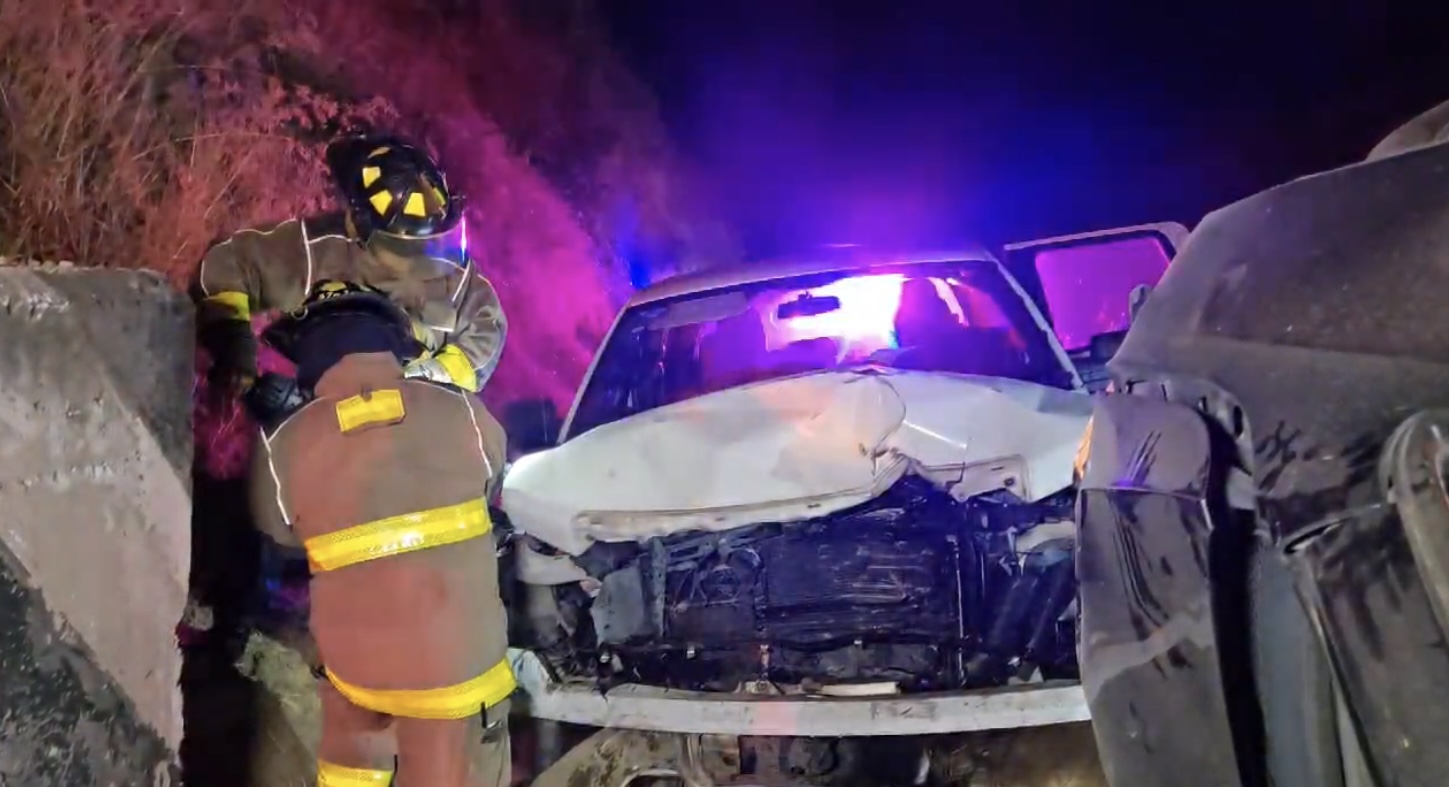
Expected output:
(912, 589)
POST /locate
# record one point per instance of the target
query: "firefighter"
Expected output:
(383, 482)
(411, 646)
(401, 233)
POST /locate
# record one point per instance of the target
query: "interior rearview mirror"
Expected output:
(807, 305)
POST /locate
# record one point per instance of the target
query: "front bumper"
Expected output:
(648, 708)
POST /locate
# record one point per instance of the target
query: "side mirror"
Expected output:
(1135, 300)
(1091, 360)
(1106, 345)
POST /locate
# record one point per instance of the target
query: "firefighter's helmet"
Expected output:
(392, 187)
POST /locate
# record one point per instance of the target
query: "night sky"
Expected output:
(920, 122)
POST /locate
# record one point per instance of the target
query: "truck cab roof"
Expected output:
(838, 258)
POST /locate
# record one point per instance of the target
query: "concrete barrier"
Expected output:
(95, 508)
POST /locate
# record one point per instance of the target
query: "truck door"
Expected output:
(1084, 285)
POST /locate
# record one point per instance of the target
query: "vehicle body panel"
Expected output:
(1301, 323)
(795, 448)
(1149, 647)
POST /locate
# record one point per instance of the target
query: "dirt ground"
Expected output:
(236, 733)
(241, 734)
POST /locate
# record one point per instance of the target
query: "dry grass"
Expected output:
(125, 142)
(134, 133)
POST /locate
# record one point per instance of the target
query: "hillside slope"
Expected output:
(136, 133)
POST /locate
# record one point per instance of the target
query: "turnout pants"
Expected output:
(359, 746)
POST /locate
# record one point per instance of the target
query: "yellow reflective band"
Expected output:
(332, 775)
(416, 205)
(459, 368)
(380, 407)
(237, 305)
(381, 201)
(399, 535)
(447, 703)
(370, 175)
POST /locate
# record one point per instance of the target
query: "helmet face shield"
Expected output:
(445, 252)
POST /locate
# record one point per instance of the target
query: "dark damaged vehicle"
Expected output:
(809, 511)
(1264, 544)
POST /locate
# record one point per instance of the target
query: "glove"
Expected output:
(233, 350)
(430, 369)
(448, 366)
(272, 398)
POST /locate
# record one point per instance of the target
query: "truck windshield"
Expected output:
(956, 317)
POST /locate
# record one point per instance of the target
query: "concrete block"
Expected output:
(95, 494)
(64, 721)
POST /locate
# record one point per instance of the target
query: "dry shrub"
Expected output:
(114, 151)
(136, 132)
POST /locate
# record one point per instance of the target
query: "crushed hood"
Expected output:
(795, 448)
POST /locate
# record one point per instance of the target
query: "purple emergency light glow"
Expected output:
(865, 321)
(1086, 287)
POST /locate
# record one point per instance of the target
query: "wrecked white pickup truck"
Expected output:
(807, 520)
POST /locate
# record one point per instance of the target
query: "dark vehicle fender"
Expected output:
(1304, 323)
(1149, 630)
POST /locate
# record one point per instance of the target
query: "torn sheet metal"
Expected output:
(793, 449)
